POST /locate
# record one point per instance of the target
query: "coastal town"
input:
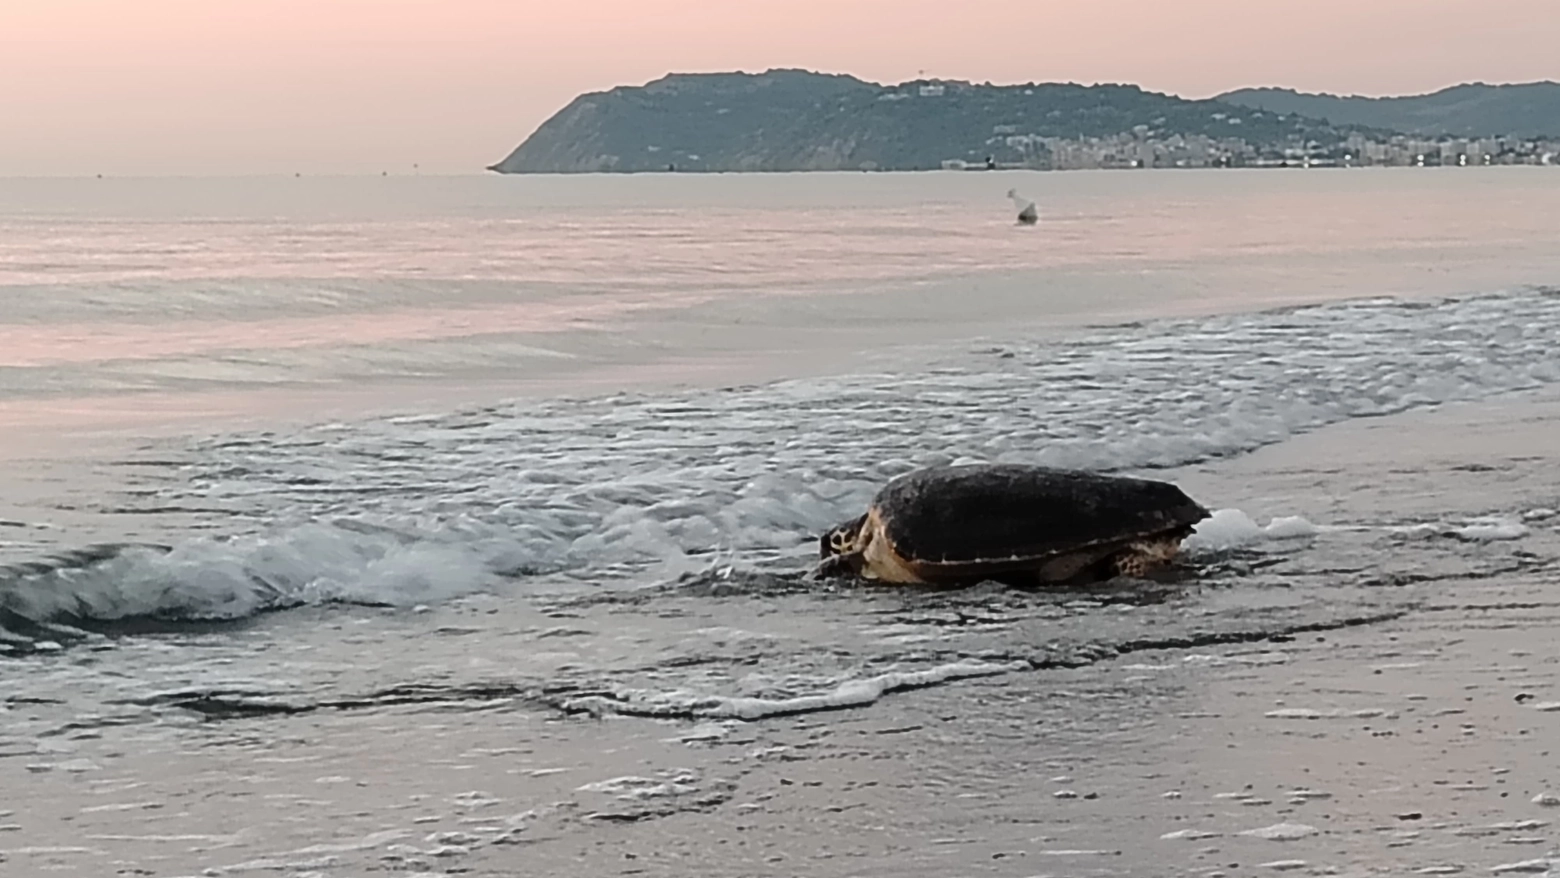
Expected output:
(1146, 148)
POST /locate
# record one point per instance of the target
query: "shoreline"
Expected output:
(74, 461)
(1415, 741)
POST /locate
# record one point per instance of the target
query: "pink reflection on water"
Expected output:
(88, 278)
(24, 346)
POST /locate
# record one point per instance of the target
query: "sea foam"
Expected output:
(629, 488)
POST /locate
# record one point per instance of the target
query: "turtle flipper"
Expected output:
(1141, 559)
(844, 566)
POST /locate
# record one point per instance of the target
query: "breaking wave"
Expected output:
(628, 488)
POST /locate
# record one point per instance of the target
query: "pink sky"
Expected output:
(360, 86)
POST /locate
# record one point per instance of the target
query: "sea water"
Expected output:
(281, 446)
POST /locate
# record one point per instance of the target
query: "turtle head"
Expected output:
(841, 539)
(840, 548)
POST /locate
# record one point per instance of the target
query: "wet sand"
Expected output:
(1412, 732)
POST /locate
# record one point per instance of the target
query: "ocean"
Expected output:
(307, 477)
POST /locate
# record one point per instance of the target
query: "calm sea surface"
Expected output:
(111, 287)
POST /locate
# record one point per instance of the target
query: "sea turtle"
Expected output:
(1013, 523)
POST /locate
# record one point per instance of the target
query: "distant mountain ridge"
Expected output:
(1471, 110)
(798, 120)
(783, 120)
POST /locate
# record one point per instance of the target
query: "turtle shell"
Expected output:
(1002, 513)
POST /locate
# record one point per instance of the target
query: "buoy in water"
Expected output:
(1028, 214)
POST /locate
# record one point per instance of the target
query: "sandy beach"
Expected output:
(1408, 732)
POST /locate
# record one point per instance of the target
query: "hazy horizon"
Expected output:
(191, 87)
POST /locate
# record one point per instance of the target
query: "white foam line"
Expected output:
(851, 693)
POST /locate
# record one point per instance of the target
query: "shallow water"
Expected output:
(113, 287)
(639, 551)
(630, 489)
